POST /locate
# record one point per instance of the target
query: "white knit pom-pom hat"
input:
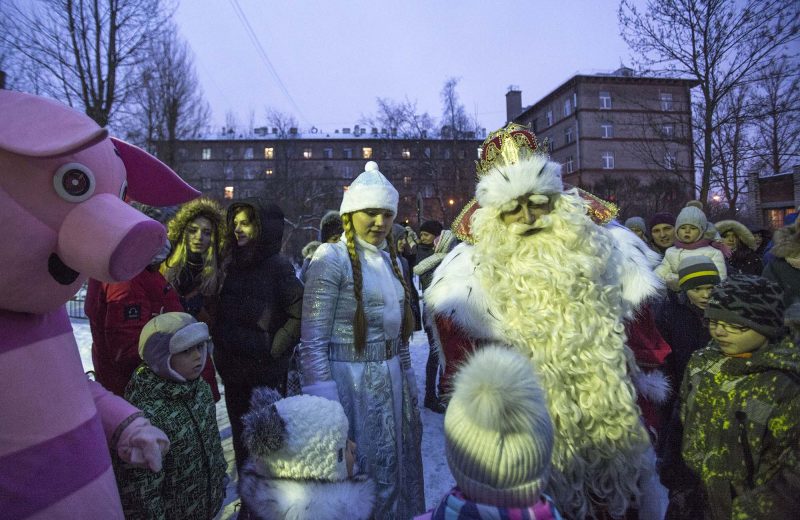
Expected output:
(498, 433)
(370, 190)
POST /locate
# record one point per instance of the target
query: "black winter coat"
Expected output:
(260, 306)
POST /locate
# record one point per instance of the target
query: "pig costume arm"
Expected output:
(62, 185)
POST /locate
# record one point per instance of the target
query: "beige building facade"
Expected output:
(622, 136)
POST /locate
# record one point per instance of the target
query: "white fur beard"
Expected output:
(556, 300)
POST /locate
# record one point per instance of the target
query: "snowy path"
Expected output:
(437, 475)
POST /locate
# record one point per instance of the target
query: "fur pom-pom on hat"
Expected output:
(498, 433)
(300, 437)
(370, 190)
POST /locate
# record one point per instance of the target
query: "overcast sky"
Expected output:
(333, 58)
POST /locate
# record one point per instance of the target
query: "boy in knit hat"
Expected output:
(498, 440)
(301, 464)
(636, 224)
(168, 388)
(691, 226)
(740, 405)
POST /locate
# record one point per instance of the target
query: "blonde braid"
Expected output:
(359, 320)
(408, 315)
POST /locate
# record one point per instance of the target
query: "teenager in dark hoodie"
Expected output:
(259, 314)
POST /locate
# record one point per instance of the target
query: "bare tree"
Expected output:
(83, 52)
(169, 105)
(454, 115)
(723, 44)
(777, 115)
(282, 122)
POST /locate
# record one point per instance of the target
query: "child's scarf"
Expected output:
(455, 506)
(726, 251)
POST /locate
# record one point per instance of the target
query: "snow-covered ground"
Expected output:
(437, 475)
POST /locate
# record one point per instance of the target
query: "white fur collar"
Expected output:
(456, 292)
(352, 499)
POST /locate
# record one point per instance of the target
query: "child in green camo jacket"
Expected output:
(167, 388)
(741, 405)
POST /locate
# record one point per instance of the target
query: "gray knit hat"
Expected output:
(693, 216)
(330, 225)
(694, 271)
(636, 223)
(166, 335)
(498, 434)
(749, 301)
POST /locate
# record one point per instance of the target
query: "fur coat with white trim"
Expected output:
(456, 293)
(268, 498)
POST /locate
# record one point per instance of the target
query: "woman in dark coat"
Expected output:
(258, 321)
(744, 258)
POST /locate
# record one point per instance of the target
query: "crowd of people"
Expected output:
(585, 368)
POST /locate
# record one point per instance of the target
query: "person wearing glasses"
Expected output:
(167, 387)
(740, 405)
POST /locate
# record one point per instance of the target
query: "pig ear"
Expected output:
(34, 126)
(149, 180)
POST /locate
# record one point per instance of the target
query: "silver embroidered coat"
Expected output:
(378, 394)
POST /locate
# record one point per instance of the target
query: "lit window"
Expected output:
(605, 100)
(347, 187)
(406, 181)
(608, 160)
(568, 134)
(406, 153)
(327, 153)
(549, 117)
(366, 152)
(269, 153)
(669, 161)
(666, 101)
(607, 130)
(248, 153)
(228, 192)
(668, 130)
(268, 172)
(348, 153)
(306, 153)
(570, 164)
(228, 172)
(206, 154)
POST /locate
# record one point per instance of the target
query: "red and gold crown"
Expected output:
(506, 146)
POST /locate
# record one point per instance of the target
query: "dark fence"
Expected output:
(75, 304)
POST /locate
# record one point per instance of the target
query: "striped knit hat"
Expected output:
(749, 301)
(694, 271)
(498, 434)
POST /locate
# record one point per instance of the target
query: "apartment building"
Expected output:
(622, 136)
(307, 172)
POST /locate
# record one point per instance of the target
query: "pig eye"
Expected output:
(74, 182)
(123, 191)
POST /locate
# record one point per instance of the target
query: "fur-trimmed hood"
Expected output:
(786, 242)
(745, 235)
(201, 207)
(502, 184)
(352, 499)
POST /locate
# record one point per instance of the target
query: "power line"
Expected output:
(263, 54)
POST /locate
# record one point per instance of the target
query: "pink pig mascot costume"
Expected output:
(62, 185)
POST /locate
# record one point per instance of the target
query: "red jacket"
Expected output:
(117, 313)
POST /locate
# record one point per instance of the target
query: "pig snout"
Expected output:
(108, 240)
